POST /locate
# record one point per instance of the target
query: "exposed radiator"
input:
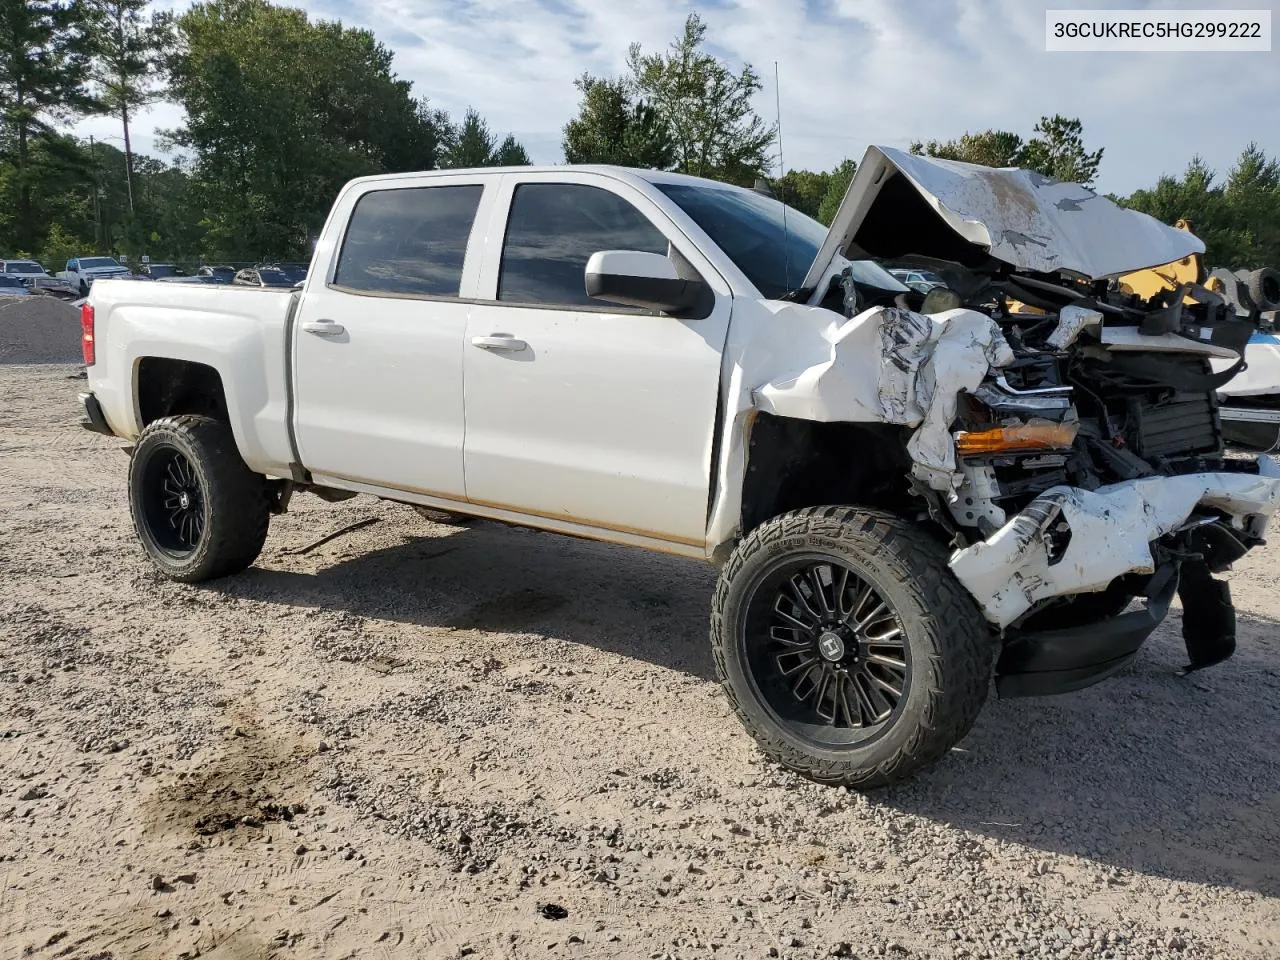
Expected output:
(1185, 425)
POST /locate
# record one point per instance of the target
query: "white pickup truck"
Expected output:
(905, 494)
(81, 272)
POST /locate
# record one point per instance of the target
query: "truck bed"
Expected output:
(242, 331)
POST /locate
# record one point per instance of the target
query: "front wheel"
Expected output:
(198, 509)
(847, 647)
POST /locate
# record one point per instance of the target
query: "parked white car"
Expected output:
(83, 271)
(899, 504)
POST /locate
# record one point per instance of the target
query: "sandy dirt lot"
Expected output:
(424, 741)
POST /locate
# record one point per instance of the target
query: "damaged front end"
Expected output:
(1066, 434)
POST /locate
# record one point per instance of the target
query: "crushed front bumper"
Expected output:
(1108, 532)
(1060, 661)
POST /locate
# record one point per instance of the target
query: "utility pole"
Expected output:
(97, 217)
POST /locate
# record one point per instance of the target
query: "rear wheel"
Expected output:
(847, 647)
(198, 509)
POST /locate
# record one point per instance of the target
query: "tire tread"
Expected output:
(963, 648)
(240, 509)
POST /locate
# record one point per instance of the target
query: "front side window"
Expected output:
(552, 231)
(409, 241)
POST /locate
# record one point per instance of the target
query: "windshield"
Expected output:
(92, 262)
(23, 266)
(274, 278)
(748, 228)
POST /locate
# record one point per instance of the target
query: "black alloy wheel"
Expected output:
(846, 645)
(173, 503)
(199, 510)
(827, 651)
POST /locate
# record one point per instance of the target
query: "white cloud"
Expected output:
(853, 72)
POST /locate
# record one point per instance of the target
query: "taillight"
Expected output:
(86, 333)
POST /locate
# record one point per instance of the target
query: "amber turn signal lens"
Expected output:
(1024, 436)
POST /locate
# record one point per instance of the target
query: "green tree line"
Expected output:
(282, 109)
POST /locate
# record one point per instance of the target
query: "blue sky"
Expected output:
(853, 72)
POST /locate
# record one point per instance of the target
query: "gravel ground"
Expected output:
(38, 329)
(424, 741)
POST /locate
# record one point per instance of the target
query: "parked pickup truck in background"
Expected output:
(905, 492)
(34, 277)
(83, 271)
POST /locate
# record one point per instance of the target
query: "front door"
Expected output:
(577, 409)
(378, 344)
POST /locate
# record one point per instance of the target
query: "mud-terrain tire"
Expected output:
(441, 516)
(198, 509)
(1263, 285)
(947, 648)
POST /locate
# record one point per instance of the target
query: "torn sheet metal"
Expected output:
(889, 365)
(1073, 321)
(1021, 217)
(814, 364)
(1111, 530)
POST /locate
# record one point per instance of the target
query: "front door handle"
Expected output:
(499, 341)
(324, 328)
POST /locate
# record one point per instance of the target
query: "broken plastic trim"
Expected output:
(1112, 529)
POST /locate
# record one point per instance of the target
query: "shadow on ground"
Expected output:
(494, 578)
(1146, 772)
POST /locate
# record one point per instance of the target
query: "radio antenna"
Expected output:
(782, 184)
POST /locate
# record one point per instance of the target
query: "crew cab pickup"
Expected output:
(83, 271)
(906, 493)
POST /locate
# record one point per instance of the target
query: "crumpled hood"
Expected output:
(900, 204)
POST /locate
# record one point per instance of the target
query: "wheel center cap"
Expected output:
(184, 501)
(831, 646)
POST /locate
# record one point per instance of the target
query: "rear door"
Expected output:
(378, 345)
(578, 409)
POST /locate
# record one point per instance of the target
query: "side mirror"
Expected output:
(637, 279)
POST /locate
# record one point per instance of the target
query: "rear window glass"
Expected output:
(410, 241)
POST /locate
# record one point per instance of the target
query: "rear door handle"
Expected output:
(499, 341)
(323, 328)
